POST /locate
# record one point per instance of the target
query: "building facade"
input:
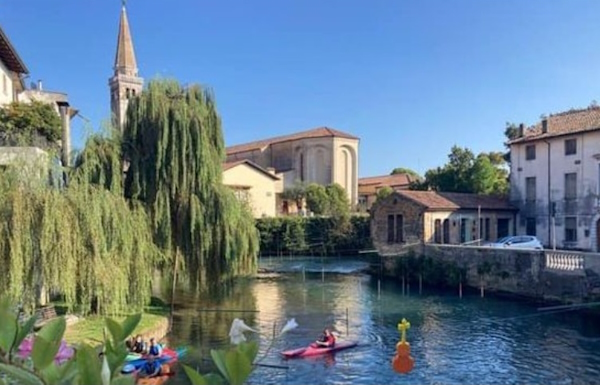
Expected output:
(555, 179)
(410, 217)
(255, 185)
(368, 187)
(12, 71)
(322, 155)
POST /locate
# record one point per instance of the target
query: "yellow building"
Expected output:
(254, 184)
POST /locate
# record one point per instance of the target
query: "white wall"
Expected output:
(263, 189)
(586, 163)
(6, 85)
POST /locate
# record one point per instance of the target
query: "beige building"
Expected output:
(125, 82)
(555, 179)
(322, 155)
(255, 185)
(12, 71)
(368, 187)
(13, 89)
(409, 217)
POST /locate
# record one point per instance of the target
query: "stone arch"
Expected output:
(300, 163)
(318, 165)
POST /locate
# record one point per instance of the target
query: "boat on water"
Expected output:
(166, 373)
(167, 356)
(314, 350)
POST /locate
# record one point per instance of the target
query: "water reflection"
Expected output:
(467, 341)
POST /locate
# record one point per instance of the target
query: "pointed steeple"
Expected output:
(125, 58)
(125, 82)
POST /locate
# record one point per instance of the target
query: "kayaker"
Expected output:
(327, 339)
(151, 368)
(154, 349)
(139, 346)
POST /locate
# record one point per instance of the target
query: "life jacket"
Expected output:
(138, 347)
(330, 340)
(155, 350)
(150, 367)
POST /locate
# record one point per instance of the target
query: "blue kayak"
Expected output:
(167, 355)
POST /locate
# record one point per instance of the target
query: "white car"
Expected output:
(518, 242)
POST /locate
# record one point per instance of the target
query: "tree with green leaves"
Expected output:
(384, 192)
(29, 124)
(317, 199)
(296, 193)
(173, 144)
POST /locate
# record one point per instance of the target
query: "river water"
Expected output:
(468, 340)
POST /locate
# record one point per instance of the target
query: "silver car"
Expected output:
(518, 242)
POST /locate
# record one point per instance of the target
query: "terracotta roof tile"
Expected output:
(230, 165)
(370, 185)
(454, 201)
(9, 55)
(320, 132)
(564, 123)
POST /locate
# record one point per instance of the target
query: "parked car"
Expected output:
(518, 242)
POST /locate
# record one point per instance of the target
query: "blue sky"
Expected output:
(410, 78)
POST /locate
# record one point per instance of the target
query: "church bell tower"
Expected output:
(125, 82)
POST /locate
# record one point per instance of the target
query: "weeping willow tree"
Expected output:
(174, 146)
(85, 242)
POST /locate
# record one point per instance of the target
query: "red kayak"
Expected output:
(314, 350)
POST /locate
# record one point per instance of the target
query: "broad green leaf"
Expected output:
(51, 374)
(250, 350)
(115, 330)
(24, 377)
(68, 371)
(23, 330)
(129, 325)
(123, 380)
(214, 379)
(238, 366)
(115, 359)
(54, 330)
(42, 353)
(8, 329)
(195, 377)
(2, 382)
(88, 365)
(218, 357)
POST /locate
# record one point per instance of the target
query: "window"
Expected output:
(390, 229)
(437, 231)
(571, 229)
(571, 186)
(530, 226)
(530, 152)
(503, 227)
(570, 146)
(399, 229)
(530, 189)
(446, 226)
(487, 229)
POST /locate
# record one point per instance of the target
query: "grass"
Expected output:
(90, 329)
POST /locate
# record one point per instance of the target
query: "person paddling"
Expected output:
(139, 346)
(327, 339)
(154, 349)
(151, 368)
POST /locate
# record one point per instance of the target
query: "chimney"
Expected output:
(39, 85)
(521, 130)
(544, 125)
(65, 116)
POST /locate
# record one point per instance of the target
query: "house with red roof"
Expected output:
(321, 155)
(555, 179)
(369, 186)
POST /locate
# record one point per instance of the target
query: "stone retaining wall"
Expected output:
(158, 332)
(544, 275)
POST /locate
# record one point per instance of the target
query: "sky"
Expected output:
(409, 78)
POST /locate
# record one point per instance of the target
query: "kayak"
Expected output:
(134, 356)
(166, 373)
(313, 350)
(167, 356)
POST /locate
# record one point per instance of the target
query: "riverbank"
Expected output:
(90, 329)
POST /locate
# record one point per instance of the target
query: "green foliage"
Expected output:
(434, 272)
(403, 170)
(329, 200)
(384, 192)
(317, 199)
(317, 235)
(339, 204)
(86, 367)
(84, 242)
(23, 124)
(174, 145)
(484, 174)
(235, 365)
(296, 193)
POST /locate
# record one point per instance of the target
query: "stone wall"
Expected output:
(539, 275)
(158, 332)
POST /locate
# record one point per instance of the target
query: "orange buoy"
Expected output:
(402, 361)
